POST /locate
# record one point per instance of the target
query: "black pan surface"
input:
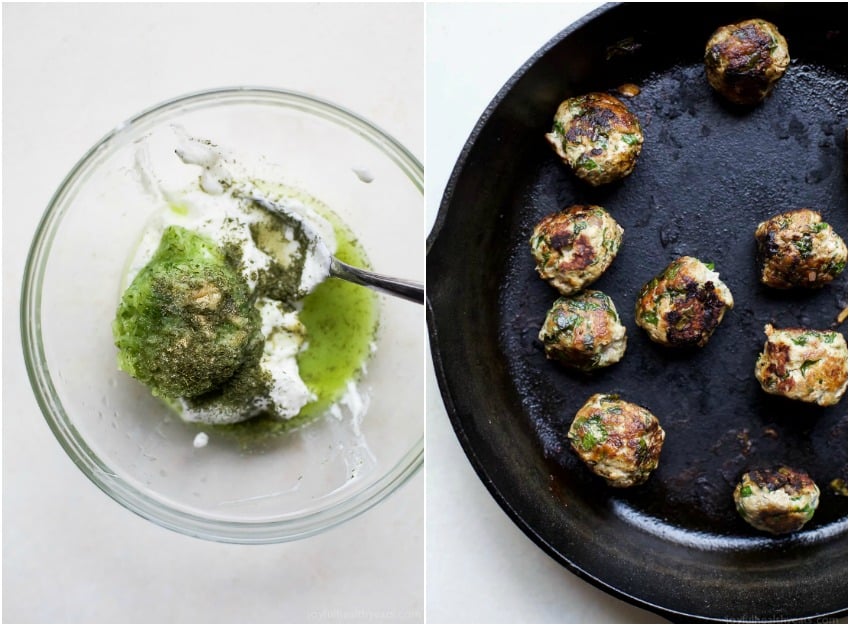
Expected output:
(708, 174)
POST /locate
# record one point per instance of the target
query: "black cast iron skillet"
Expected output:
(708, 174)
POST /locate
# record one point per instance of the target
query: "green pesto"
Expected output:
(279, 282)
(185, 322)
(248, 382)
(341, 320)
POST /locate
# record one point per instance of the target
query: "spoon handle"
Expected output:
(407, 289)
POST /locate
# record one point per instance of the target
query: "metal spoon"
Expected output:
(407, 289)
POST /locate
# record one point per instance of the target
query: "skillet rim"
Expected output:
(445, 392)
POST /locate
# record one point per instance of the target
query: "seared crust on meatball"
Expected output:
(584, 332)
(618, 440)
(743, 61)
(597, 136)
(683, 305)
(797, 249)
(804, 364)
(573, 247)
(777, 500)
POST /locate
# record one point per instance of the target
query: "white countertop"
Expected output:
(70, 74)
(480, 567)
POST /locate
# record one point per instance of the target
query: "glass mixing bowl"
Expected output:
(128, 442)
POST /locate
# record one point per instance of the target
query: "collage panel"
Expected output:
(225, 424)
(637, 288)
(424, 312)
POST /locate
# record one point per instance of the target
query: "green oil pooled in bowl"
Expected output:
(341, 320)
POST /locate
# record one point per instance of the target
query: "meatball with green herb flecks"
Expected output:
(597, 136)
(803, 364)
(584, 332)
(743, 61)
(684, 304)
(778, 501)
(617, 440)
(573, 247)
(798, 249)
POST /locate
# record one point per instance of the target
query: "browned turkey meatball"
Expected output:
(797, 249)
(743, 61)
(573, 247)
(584, 332)
(779, 500)
(597, 136)
(684, 304)
(803, 364)
(618, 440)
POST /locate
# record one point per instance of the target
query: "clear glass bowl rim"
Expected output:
(94, 468)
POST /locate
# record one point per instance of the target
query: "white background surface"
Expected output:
(71, 73)
(480, 567)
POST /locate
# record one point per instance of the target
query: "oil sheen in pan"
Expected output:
(708, 174)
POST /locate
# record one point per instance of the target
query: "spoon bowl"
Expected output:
(402, 288)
